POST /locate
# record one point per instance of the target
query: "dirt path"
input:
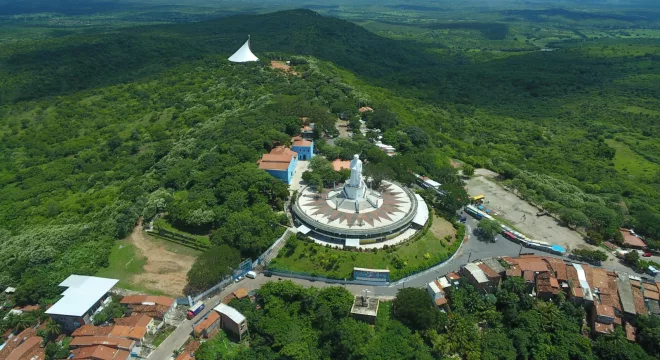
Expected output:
(164, 271)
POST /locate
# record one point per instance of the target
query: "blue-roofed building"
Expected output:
(304, 148)
(280, 162)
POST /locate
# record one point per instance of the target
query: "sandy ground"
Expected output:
(164, 270)
(441, 228)
(275, 64)
(342, 127)
(520, 213)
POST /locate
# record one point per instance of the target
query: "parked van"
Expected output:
(251, 275)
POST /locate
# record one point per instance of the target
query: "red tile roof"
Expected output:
(365, 109)
(452, 276)
(298, 141)
(638, 298)
(208, 322)
(154, 311)
(559, 267)
(632, 240)
(603, 328)
(99, 352)
(29, 348)
(610, 246)
(279, 158)
(652, 295)
(109, 341)
(490, 274)
(16, 341)
(514, 270)
(91, 330)
(531, 263)
(440, 301)
(134, 333)
(604, 310)
(134, 320)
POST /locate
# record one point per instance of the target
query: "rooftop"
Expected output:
(494, 265)
(301, 142)
(241, 293)
(365, 307)
(490, 274)
(365, 109)
(452, 276)
(476, 272)
(30, 349)
(81, 294)
(604, 310)
(134, 320)
(422, 214)
(109, 341)
(631, 332)
(230, 312)
(99, 352)
(531, 263)
(207, 322)
(603, 328)
(631, 240)
(625, 293)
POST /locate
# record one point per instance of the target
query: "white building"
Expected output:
(83, 297)
(244, 54)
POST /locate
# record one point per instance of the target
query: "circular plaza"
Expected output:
(354, 215)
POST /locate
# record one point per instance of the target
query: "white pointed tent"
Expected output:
(244, 54)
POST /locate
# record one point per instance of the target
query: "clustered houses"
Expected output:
(611, 298)
(281, 161)
(25, 345)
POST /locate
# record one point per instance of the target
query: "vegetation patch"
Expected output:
(125, 261)
(628, 161)
(403, 260)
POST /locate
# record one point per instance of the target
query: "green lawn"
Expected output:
(162, 335)
(628, 161)
(125, 261)
(404, 260)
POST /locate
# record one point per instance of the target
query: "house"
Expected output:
(113, 342)
(99, 352)
(547, 286)
(365, 109)
(493, 277)
(281, 163)
(25, 345)
(475, 276)
(631, 332)
(436, 292)
(631, 240)
(159, 307)
(304, 148)
(365, 309)
(307, 132)
(138, 320)
(84, 295)
(494, 265)
(602, 319)
(208, 325)
(231, 320)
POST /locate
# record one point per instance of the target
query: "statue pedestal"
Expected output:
(354, 193)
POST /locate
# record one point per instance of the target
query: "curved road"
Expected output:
(471, 250)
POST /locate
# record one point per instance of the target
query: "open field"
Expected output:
(404, 260)
(143, 263)
(521, 214)
(163, 223)
(629, 162)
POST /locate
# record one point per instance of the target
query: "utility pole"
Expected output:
(469, 255)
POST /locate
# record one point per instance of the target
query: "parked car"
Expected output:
(646, 254)
(238, 279)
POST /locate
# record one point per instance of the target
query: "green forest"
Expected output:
(113, 113)
(291, 322)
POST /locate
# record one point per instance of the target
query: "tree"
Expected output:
(468, 170)
(353, 339)
(415, 309)
(632, 258)
(594, 256)
(216, 263)
(615, 346)
(573, 218)
(648, 334)
(487, 230)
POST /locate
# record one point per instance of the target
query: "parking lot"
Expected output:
(520, 213)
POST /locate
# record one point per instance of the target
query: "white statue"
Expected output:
(356, 172)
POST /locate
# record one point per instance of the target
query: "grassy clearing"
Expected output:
(628, 161)
(125, 261)
(403, 260)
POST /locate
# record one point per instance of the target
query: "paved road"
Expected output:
(471, 250)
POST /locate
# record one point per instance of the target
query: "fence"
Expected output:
(179, 239)
(215, 288)
(274, 249)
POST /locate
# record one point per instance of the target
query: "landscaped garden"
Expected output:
(437, 244)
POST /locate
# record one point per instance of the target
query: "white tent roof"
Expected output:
(422, 214)
(230, 312)
(244, 54)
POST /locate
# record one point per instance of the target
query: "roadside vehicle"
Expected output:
(251, 275)
(646, 254)
(195, 309)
